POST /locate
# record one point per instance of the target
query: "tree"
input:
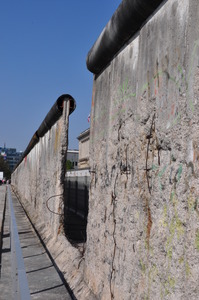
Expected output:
(5, 168)
(69, 165)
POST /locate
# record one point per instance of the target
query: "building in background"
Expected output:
(11, 156)
(73, 156)
(77, 183)
(83, 139)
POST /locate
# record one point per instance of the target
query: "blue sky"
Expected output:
(43, 49)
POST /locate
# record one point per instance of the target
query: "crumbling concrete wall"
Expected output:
(143, 222)
(41, 174)
(143, 225)
(39, 177)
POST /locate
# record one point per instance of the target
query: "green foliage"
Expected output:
(69, 165)
(5, 168)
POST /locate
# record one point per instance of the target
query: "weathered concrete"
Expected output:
(41, 174)
(143, 227)
(39, 177)
(143, 223)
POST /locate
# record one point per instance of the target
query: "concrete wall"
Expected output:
(39, 177)
(41, 174)
(143, 226)
(143, 222)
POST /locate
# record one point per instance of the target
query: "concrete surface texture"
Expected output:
(41, 174)
(43, 278)
(143, 228)
(39, 183)
(143, 222)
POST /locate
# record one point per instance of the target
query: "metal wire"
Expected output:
(53, 212)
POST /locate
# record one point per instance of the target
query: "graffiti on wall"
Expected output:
(172, 173)
(124, 94)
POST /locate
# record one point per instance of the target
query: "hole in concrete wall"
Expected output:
(76, 208)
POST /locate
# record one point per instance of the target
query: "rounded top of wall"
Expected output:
(51, 118)
(125, 22)
(55, 113)
(66, 97)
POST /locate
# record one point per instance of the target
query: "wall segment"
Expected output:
(39, 181)
(41, 172)
(143, 157)
(143, 222)
(124, 24)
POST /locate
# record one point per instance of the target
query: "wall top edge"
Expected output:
(127, 20)
(51, 118)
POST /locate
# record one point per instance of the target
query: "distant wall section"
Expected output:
(41, 173)
(39, 181)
